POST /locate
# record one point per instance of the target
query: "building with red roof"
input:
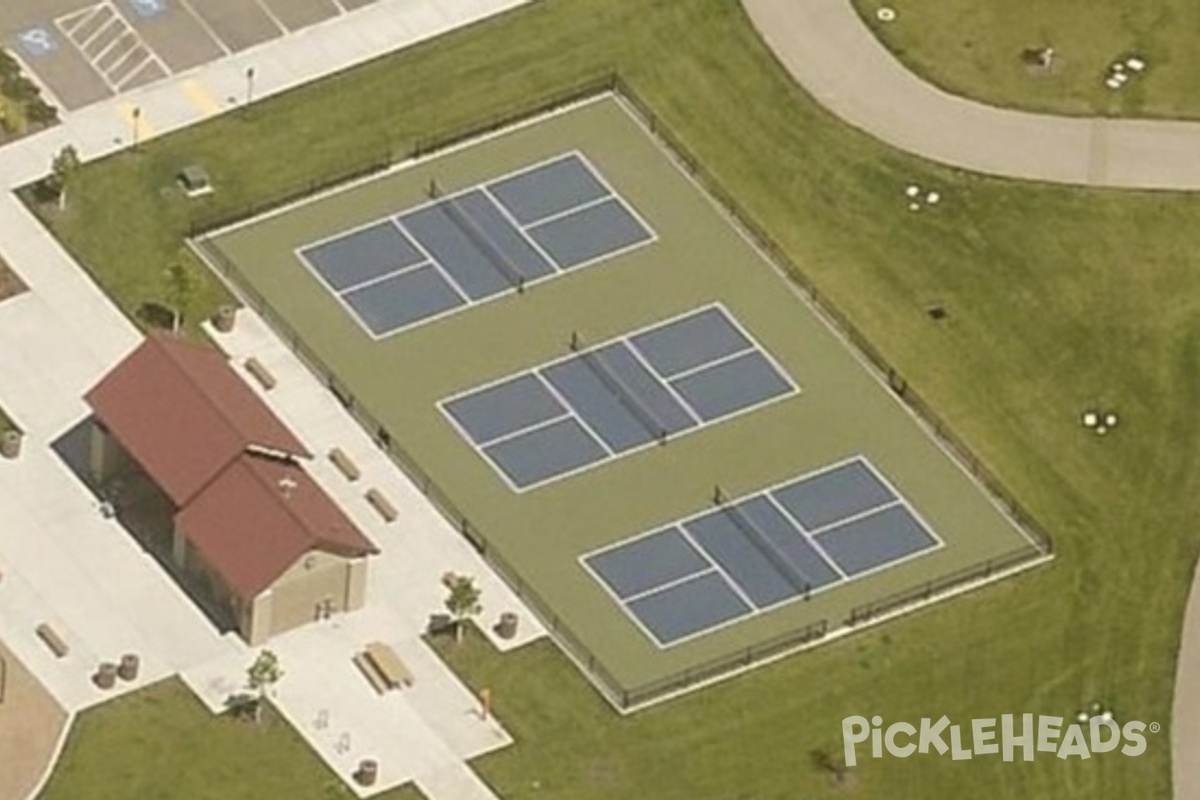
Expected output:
(250, 530)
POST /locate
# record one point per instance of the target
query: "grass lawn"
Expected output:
(974, 49)
(162, 743)
(1057, 299)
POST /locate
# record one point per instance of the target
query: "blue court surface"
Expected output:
(751, 554)
(475, 245)
(613, 398)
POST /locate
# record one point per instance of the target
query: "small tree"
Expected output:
(264, 673)
(182, 283)
(463, 602)
(63, 170)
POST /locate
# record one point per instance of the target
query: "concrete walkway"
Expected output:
(833, 54)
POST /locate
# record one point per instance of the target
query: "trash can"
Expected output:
(128, 668)
(367, 773)
(224, 319)
(506, 628)
(106, 675)
(10, 443)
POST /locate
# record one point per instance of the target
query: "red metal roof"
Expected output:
(198, 430)
(184, 415)
(259, 517)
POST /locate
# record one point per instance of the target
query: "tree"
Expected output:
(63, 170)
(463, 602)
(264, 673)
(182, 283)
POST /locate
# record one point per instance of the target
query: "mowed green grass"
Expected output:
(974, 49)
(1058, 298)
(162, 744)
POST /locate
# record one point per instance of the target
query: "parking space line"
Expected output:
(203, 23)
(283, 29)
(116, 67)
(86, 43)
(200, 97)
(69, 23)
(125, 38)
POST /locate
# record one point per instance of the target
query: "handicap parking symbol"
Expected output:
(148, 8)
(37, 42)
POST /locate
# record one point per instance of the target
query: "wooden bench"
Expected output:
(381, 504)
(344, 464)
(374, 676)
(383, 668)
(50, 637)
(260, 373)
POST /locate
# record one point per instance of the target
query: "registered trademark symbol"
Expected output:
(1155, 727)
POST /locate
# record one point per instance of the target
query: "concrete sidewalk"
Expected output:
(836, 58)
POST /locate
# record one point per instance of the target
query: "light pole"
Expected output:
(249, 85)
(135, 117)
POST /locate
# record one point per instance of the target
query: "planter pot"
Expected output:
(10, 443)
(225, 318)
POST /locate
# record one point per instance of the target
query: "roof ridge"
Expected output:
(273, 487)
(162, 341)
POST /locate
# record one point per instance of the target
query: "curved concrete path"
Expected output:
(828, 49)
(832, 53)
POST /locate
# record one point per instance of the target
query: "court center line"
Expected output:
(566, 212)
(856, 516)
(377, 279)
(504, 437)
(816, 546)
(575, 413)
(671, 584)
(687, 407)
(716, 362)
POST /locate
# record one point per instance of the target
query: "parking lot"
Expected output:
(84, 52)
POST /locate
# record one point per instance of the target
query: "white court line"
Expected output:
(566, 212)
(671, 584)
(808, 537)
(378, 278)
(622, 338)
(663, 382)
(571, 408)
(396, 218)
(519, 229)
(716, 362)
(545, 423)
(680, 525)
